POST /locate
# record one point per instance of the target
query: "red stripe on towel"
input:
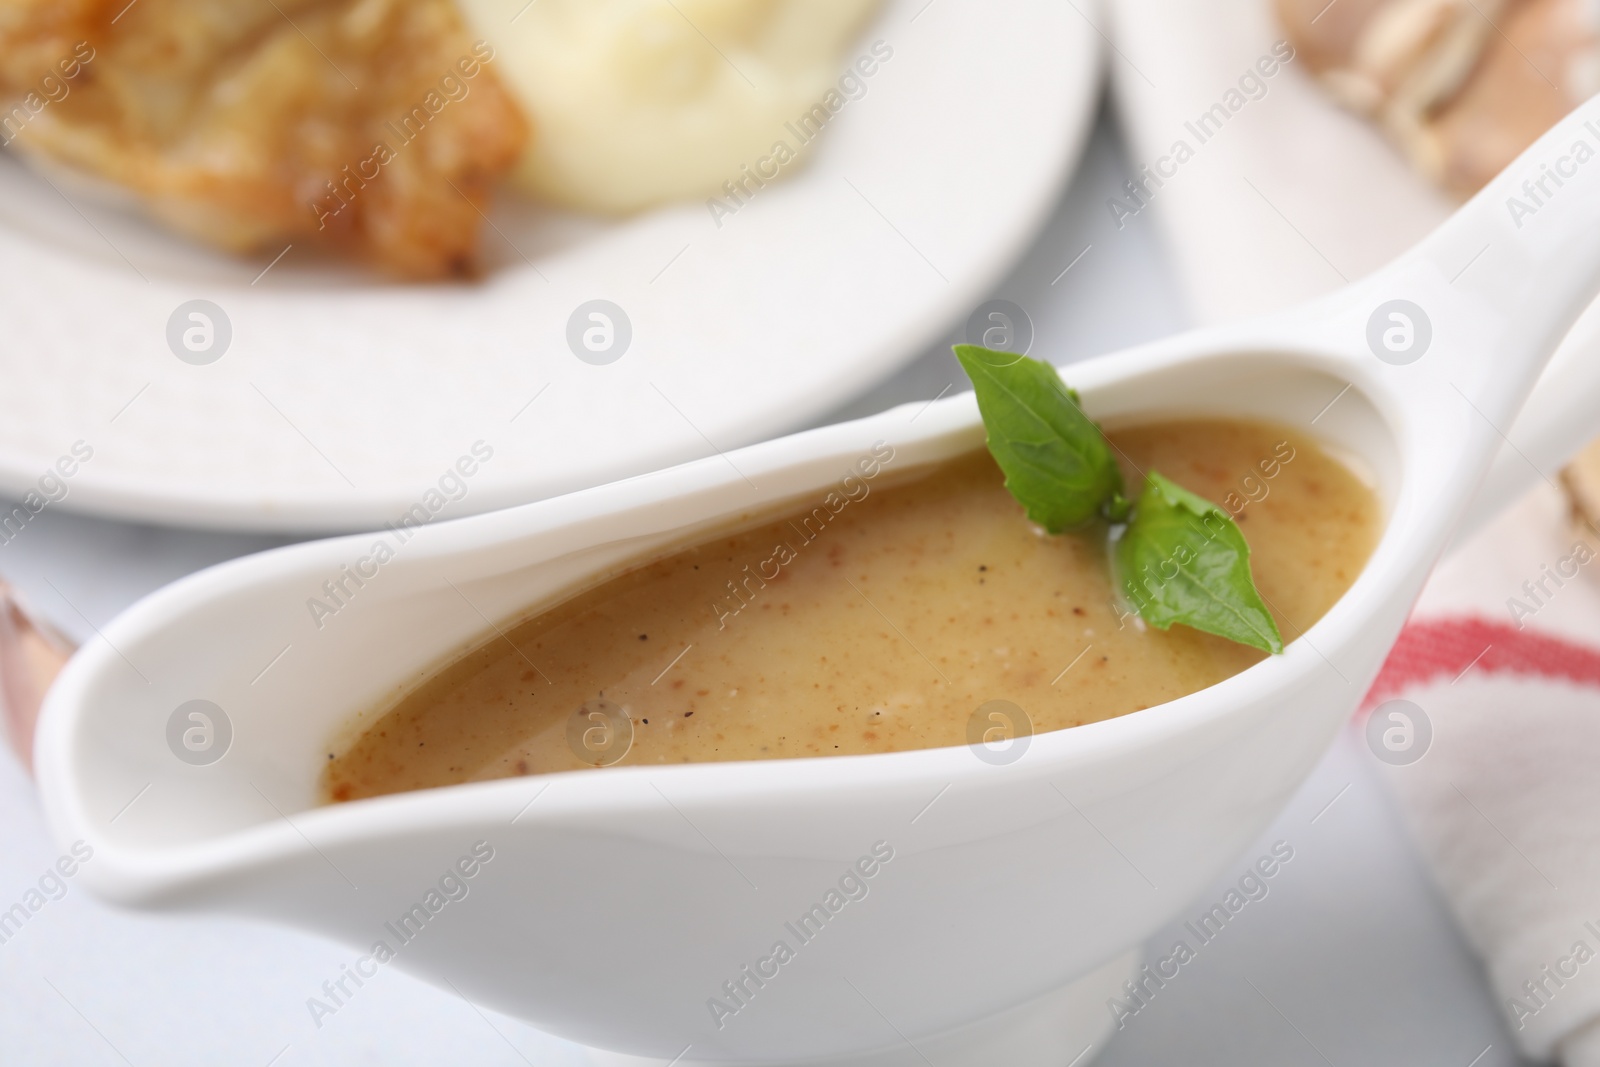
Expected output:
(1449, 647)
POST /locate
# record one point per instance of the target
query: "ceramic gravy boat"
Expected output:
(617, 908)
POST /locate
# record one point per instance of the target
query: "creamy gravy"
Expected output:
(877, 628)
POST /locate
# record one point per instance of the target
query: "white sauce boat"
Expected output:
(620, 905)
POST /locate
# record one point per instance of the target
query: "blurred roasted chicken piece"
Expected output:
(374, 127)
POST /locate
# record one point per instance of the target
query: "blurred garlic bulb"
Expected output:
(32, 653)
(1460, 86)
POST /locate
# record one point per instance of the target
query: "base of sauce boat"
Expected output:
(1067, 1027)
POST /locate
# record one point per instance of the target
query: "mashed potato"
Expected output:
(640, 102)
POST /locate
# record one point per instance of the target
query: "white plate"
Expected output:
(341, 401)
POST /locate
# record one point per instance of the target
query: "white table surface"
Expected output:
(1351, 958)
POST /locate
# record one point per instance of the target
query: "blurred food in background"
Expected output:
(1581, 480)
(32, 653)
(250, 125)
(381, 128)
(641, 102)
(1460, 86)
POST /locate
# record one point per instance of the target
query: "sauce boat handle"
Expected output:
(1560, 417)
(1495, 288)
(1467, 319)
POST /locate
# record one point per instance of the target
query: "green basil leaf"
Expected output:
(1182, 559)
(1056, 461)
